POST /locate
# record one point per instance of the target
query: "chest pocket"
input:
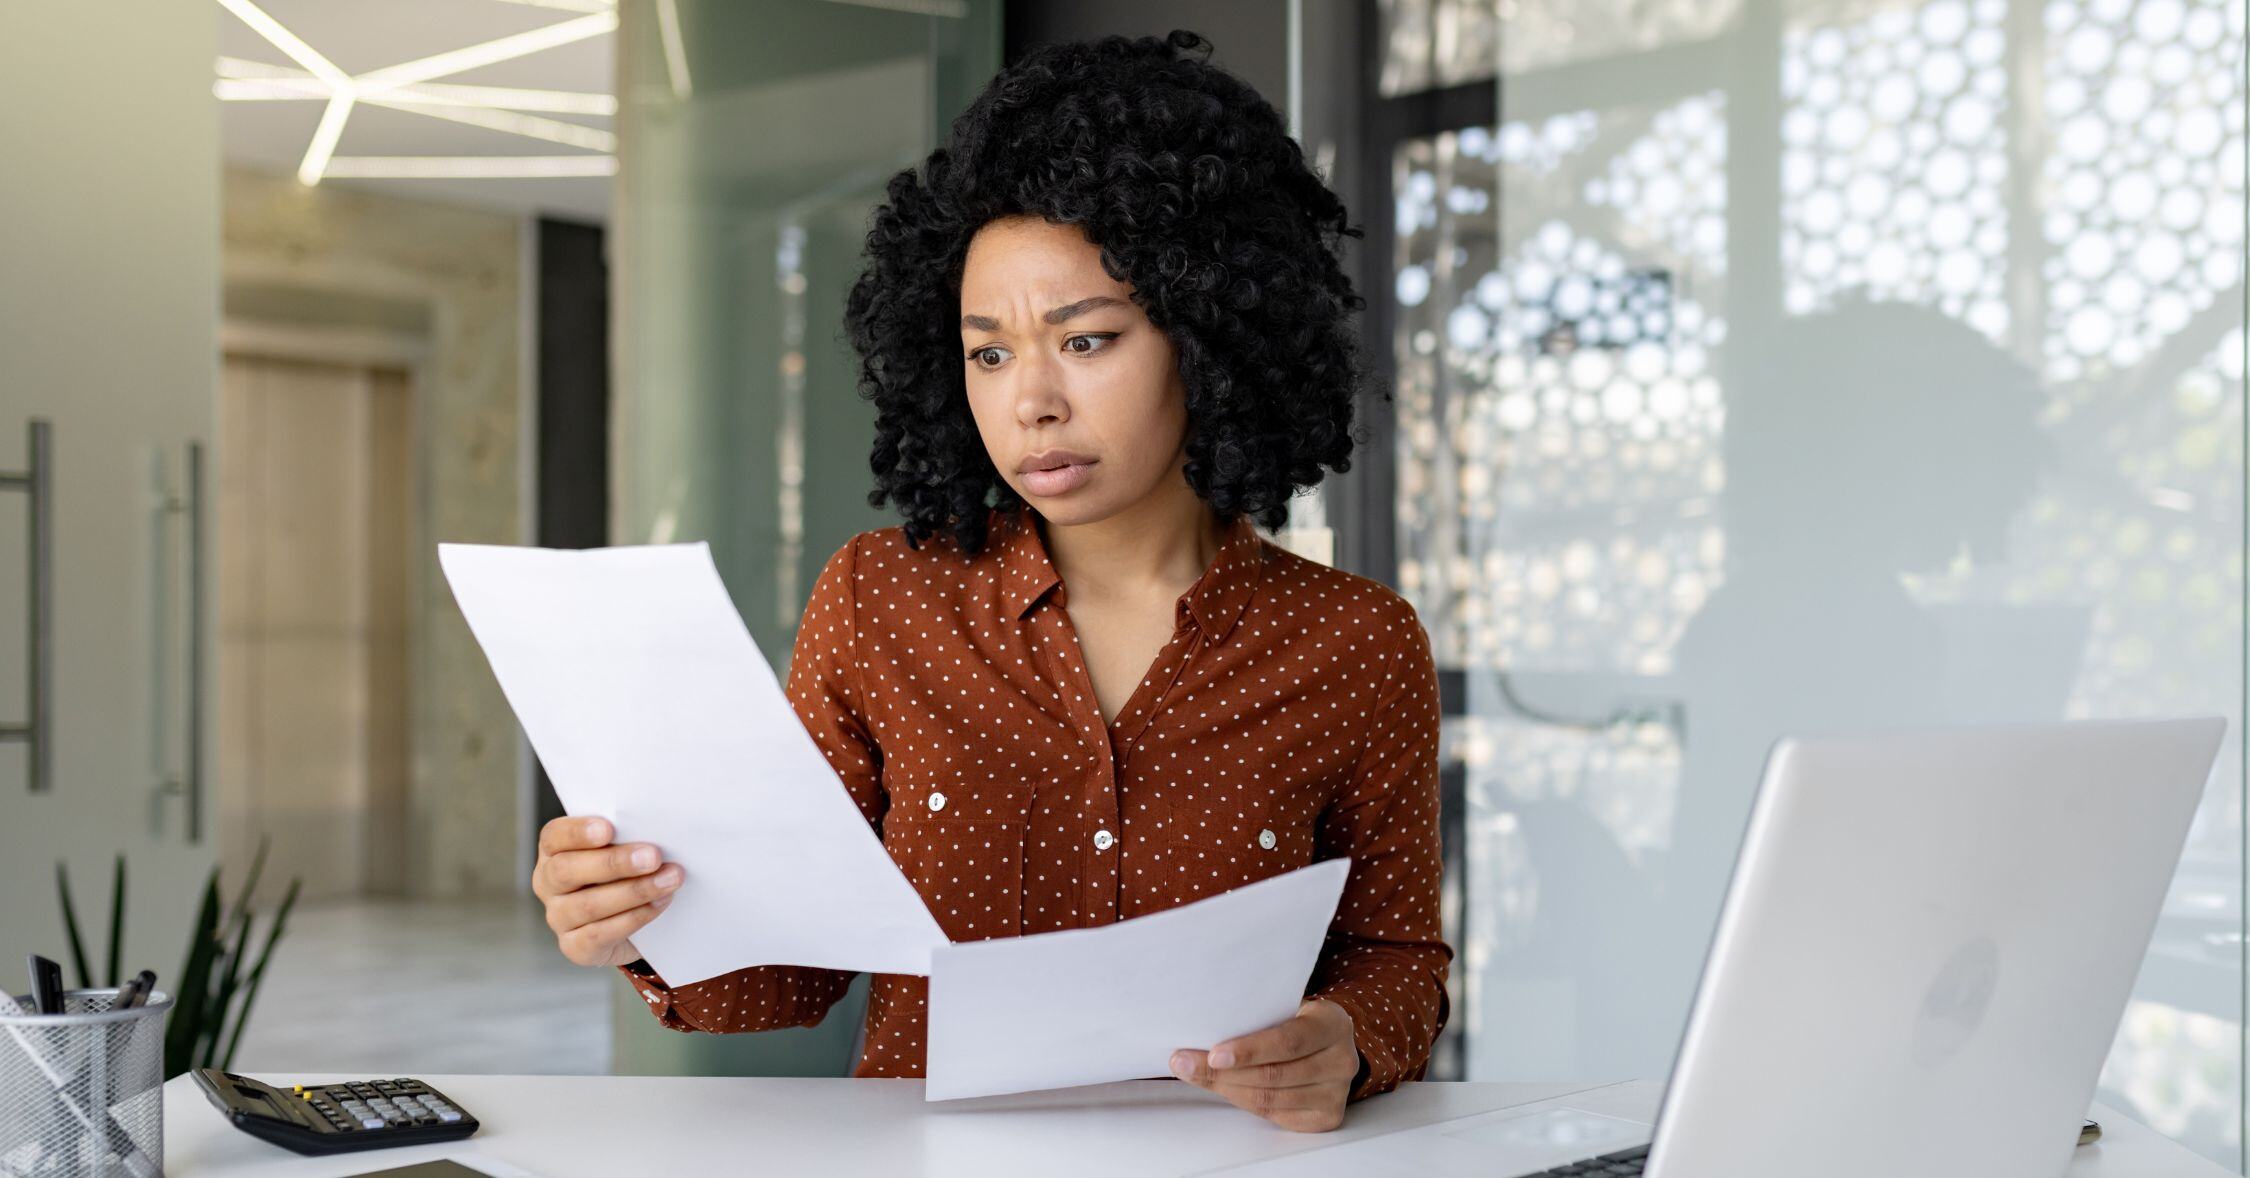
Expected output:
(1216, 840)
(962, 847)
(968, 870)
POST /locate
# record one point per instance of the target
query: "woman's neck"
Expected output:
(1154, 549)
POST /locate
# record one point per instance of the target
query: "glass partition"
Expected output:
(754, 140)
(1782, 365)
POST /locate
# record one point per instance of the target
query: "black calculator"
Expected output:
(335, 1118)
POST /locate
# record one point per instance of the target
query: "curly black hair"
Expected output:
(1189, 183)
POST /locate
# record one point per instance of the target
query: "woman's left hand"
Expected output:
(1297, 1074)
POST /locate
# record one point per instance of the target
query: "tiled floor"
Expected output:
(402, 988)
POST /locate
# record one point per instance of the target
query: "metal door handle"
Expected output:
(188, 782)
(36, 480)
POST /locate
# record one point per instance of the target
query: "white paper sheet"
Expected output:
(1086, 1006)
(647, 699)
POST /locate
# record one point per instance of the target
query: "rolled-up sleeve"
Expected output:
(824, 686)
(1385, 958)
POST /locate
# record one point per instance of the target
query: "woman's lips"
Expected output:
(1059, 481)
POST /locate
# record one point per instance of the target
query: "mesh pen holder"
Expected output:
(82, 1092)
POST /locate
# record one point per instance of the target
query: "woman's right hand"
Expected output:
(597, 895)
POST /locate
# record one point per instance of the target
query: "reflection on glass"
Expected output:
(755, 140)
(1846, 365)
(1437, 42)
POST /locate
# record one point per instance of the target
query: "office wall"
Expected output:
(748, 164)
(109, 302)
(349, 260)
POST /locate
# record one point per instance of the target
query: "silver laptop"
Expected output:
(1924, 952)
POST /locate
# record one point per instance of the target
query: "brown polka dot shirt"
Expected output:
(1293, 717)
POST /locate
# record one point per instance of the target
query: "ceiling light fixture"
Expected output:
(307, 88)
(402, 87)
(256, 81)
(243, 67)
(569, 5)
(513, 122)
(508, 48)
(288, 42)
(324, 138)
(675, 53)
(472, 167)
(572, 102)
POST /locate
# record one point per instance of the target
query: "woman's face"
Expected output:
(1060, 361)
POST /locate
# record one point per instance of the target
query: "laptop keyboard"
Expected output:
(1623, 1162)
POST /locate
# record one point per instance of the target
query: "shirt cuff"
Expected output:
(650, 986)
(1381, 1067)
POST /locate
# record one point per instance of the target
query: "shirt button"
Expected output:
(937, 801)
(1103, 840)
(1266, 839)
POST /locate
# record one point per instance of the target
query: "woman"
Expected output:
(1105, 332)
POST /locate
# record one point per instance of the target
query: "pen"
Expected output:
(136, 990)
(46, 984)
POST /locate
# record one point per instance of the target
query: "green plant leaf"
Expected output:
(258, 972)
(186, 1023)
(116, 916)
(241, 910)
(223, 995)
(70, 926)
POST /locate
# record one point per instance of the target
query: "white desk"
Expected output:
(567, 1126)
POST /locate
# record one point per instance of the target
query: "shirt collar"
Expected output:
(1215, 601)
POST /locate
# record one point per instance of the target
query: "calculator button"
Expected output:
(448, 1115)
(371, 1122)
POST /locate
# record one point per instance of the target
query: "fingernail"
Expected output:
(596, 828)
(644, 859)
(1222, 1059)
(669, 876)
(1181, 1065)
(662, 900)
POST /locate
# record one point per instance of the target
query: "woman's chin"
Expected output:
(1069, 510)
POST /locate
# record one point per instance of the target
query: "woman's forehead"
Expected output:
(1024, 248)
(1014, 269)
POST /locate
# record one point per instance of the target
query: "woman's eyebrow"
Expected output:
(1059, 314)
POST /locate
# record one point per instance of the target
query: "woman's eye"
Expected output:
(1091, 339)
(977, 357)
